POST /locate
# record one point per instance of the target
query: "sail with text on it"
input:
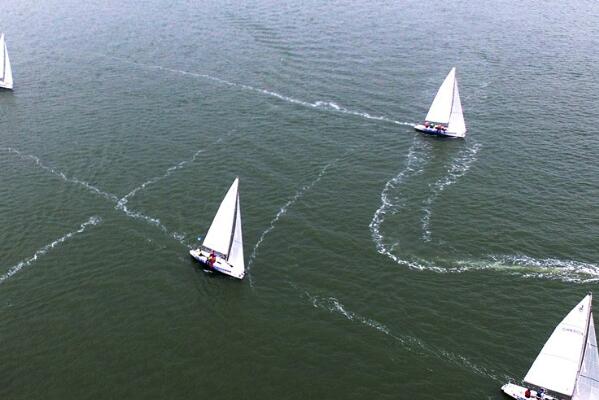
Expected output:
(557, 366)
(5, 68)
(587, 386)
(220, 234)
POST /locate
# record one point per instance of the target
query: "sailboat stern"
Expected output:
(519, 392)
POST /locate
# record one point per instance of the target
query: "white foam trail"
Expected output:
(416, 160)
(528, 267)
(331, 304)
(25, 263)
(411, 343)
(61, 175)
(459, 167)
(570, 271)
(283, 210)
(321, 105)
(121, 203)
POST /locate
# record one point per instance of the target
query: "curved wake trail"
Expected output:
(458, 168)
(415, 163)
(411, 343)
(61, 175)
(320, 105)
(25, 263)
(282, 211)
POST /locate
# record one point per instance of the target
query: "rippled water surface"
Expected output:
(382, 264)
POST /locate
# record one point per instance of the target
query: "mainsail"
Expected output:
(5, 68)
(224, 235)
(568, 364)
(447, 107)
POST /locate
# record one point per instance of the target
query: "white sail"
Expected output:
(441, 108)
(236, 252)
(220, 233)
(587, 387)
(5, 68)
(456, 118)
(557, 366)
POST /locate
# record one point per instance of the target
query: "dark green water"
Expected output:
(382, 264)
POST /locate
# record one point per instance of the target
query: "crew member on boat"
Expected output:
(211, 259)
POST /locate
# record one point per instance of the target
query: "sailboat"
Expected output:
(222, 248)
(568, 365)
(445, 117)
(5, 69)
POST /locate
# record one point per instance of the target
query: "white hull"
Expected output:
(437, 132)
(220, 265)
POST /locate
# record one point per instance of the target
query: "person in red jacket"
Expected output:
(211, 259)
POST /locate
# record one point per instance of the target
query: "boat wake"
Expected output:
(459, 167)
(120, 204)
(125, 199)
(61, 175)
(282, 211)
(416, 160)
(25, 263)
(319, 105)
(411, 343)
(529, 267)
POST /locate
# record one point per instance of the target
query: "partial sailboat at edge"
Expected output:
(445, 117)
(222, 248)
(6, 81)
(568, 365)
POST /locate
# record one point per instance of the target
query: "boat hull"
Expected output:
(220, 265)
(517, 392)
(436, 132)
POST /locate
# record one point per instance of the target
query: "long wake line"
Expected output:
(320, 105)
(333, 305)
(61, 175)
(120, 204)
(282, 211)
(25, 263)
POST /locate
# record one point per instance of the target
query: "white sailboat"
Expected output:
(224, 240)
(568, 365)
(5, 68)
(445, 117)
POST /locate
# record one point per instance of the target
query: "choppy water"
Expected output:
(382, 264)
